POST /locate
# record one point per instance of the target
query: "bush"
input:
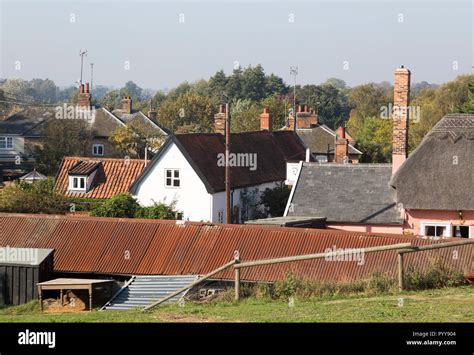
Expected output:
(438, 275)
(157, 211)
(380, 283)
(39, 197)
(126, 206)
(122, 205)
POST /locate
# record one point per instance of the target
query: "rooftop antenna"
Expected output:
(92, 74)
(294, 72)
(82, 54)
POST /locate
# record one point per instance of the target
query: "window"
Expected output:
(460, 231)
(220, 216)
(77, 183)
(98, 149)
(436, 229)
(321, 158)
(172, 178)
(6, 142)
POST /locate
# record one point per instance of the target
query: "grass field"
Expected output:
(441, 305)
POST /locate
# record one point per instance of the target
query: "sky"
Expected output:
(159, 44)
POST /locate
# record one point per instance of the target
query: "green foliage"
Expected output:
(38, 197)
(374, 139)
(188, 109)
(274, 200)
(158, 211)
(122, 205)
(64, 137)
(133, 139)
(438, 275)
(245, 115)
(126, 206)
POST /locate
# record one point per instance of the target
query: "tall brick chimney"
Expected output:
(127, 104)
(341, 154)
(266, 120)
(401, 98)
(84, 98)
(219, 120)
(313, 118)
(153, 114)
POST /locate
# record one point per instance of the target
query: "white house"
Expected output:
(189, 169)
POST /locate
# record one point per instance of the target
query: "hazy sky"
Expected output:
(167, 42)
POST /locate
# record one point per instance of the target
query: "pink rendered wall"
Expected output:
(413, 218)
(367, 228)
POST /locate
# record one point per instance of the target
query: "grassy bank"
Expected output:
(440, 305)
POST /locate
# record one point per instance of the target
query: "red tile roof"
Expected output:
(134, 247)
(118, 175)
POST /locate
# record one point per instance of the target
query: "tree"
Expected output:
(275, 200)
(135, 137)
(245, 115)
(234, 85)
(337, 83)
(217, 85)
(111, 100)
(468, 106)
(66, 137)
(366, 101)
(332, 104)
(38, 197)
(374, 139)
(188, 109)
(253, 83)
(274, 85)
(133, 90)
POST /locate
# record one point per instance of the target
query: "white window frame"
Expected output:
(94, 146)
(470, 228)
(78, 179)
(447, 225)
(6, 139)
(173, 178)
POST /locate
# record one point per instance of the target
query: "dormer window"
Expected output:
(77, 183)
(83, 176)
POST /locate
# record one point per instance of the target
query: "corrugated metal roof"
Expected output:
(154, 247)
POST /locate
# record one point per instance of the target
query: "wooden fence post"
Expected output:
(237, 276)
(401, 274)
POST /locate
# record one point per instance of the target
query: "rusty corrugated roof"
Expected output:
(116, 175)
(140, 247)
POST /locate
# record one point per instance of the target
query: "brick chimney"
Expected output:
(127, 104)
(153, 114)
(219, 120)
(266, 123)
(341, 154)
(401, 100)
(84, 98)
(313, 117)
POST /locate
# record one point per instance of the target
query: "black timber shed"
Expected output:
(21, 269)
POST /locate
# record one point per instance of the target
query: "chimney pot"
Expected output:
(266, 120)
(127, 105)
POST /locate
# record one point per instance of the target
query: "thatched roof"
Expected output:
(439, 174)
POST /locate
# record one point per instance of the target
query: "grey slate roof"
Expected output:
(439, 173)
(351, 193)
(138, 116)
(321, 140)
